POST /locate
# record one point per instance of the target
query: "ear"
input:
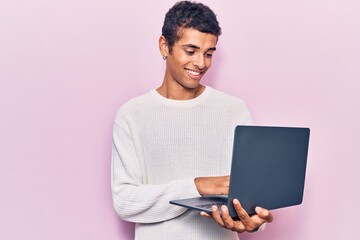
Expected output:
(163, 46)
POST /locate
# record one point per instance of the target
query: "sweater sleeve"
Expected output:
(133, 199)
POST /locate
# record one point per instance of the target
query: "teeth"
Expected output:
(193, 72)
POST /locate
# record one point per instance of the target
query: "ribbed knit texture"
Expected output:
(159, 146)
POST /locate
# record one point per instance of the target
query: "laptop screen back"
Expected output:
(268, 167)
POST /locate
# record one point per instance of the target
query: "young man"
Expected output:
(176, 141)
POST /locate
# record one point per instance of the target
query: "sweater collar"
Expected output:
(183, 103)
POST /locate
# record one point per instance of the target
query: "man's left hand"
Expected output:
(246, 223)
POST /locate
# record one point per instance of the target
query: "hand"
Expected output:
(246, 223)
(212, 185)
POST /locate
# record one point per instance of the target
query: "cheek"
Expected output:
(183, 60)
(208, 62)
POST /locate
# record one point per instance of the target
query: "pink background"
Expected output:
(66, 66)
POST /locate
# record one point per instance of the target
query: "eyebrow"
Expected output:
(197, 47)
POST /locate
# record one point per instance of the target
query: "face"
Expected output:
(189, 59)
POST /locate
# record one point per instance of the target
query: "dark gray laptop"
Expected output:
(268, 170)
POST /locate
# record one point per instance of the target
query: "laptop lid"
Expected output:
(268, 167)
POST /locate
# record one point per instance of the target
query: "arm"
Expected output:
(133, 199)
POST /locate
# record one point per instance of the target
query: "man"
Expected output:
(176, 141)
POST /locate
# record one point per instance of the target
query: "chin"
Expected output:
(191, 85)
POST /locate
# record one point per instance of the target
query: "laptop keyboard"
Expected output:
(209, 205)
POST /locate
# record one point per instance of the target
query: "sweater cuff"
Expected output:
(262, 227)
(187, 189)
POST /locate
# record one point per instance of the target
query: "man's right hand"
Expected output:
(212, 185)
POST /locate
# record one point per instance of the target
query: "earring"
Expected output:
(164, 57)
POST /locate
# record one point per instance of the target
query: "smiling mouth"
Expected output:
(193, 73)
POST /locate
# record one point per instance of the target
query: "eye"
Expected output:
(208, 55)
(189, 52)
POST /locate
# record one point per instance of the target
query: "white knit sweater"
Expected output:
(159, 146)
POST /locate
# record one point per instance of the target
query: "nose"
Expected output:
(199, 61)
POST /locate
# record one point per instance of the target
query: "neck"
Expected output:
(179, 92)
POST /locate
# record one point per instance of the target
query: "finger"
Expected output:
(248, 223)
(264, 214)
(229, 222)
(216, 216)
(204, 214)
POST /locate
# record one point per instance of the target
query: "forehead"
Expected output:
(190, 36)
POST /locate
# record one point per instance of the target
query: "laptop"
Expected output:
(267, 170)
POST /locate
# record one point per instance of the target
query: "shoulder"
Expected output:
(230, 106)
(226, 99)
(134, 106)
(137, 101)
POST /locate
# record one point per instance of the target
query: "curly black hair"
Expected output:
(186, 14)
